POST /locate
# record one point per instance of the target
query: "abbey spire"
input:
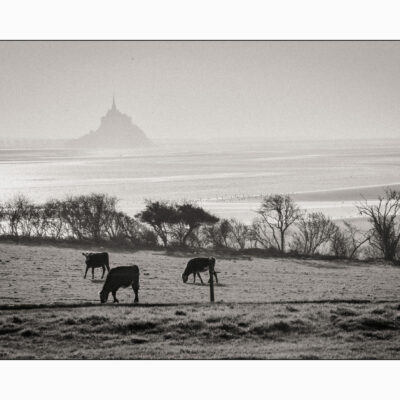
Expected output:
(114, 107)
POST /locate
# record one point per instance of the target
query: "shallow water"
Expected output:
(229, 180)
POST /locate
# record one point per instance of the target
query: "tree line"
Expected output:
(92, 217)
(280, 226)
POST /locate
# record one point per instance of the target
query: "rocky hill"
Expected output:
(116, 131)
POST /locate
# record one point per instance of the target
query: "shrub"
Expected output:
(314, 230)
(385, 230)
(217, 235)
(160, 215)
(176, 223)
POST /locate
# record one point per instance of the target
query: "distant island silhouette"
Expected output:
(116, 131)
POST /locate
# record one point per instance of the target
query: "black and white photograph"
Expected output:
(199, 200)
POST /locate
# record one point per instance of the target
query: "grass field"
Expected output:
(305, 331)
(266, 308)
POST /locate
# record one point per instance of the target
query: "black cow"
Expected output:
(121, 277)
(96, 260)
(197, 265)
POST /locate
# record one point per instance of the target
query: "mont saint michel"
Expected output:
(116, 130)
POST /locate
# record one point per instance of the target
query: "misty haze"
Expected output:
(248, 186)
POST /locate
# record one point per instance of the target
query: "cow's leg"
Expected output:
(216, 277)
(87, 268)
(92, 272)
(201, 280)
(114, 293)
(136, 291)
(104, 270)
(194, 277)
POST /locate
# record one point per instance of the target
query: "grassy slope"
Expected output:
(203, 331)
(44, 274)
(233, 329)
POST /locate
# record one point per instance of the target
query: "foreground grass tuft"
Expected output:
(225, 331)
(27, 333)
(133, 327)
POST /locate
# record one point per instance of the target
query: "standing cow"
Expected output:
(197, 265)
(121, 277)
(96, 260)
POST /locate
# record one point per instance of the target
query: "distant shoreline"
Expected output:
(351, 193)
(337, 203)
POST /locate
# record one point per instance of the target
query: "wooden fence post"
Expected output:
(211, 272)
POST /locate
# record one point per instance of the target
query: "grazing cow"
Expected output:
(121, 277)
(96, 260)
(197, 265)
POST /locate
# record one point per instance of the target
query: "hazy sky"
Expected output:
(202, 90)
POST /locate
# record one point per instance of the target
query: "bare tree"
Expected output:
(71, 213)
(239, 233)
(260, 234)
(339, 244)
(20, 217)
(122, 227)
(314, 230)
(98, 209)
(17, 214)
(55, 226)
(356, 238)
(385, 231)
(278, 213)
(3, 220)
(87, 216)
(217, 235)
(37, 221)
(117, 226)
(348, 242)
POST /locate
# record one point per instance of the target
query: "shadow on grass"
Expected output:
(225, 254)
(79, 244)
(206, 284)
(367, 323)
(312, 264)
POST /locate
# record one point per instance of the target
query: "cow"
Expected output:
(121, 277)
(96, 260)
(197, 265)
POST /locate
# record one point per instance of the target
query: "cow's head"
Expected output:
(185, 277)
(87, 256)
(104, 296)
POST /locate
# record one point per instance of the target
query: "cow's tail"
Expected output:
(107, 263)
(135, 283)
